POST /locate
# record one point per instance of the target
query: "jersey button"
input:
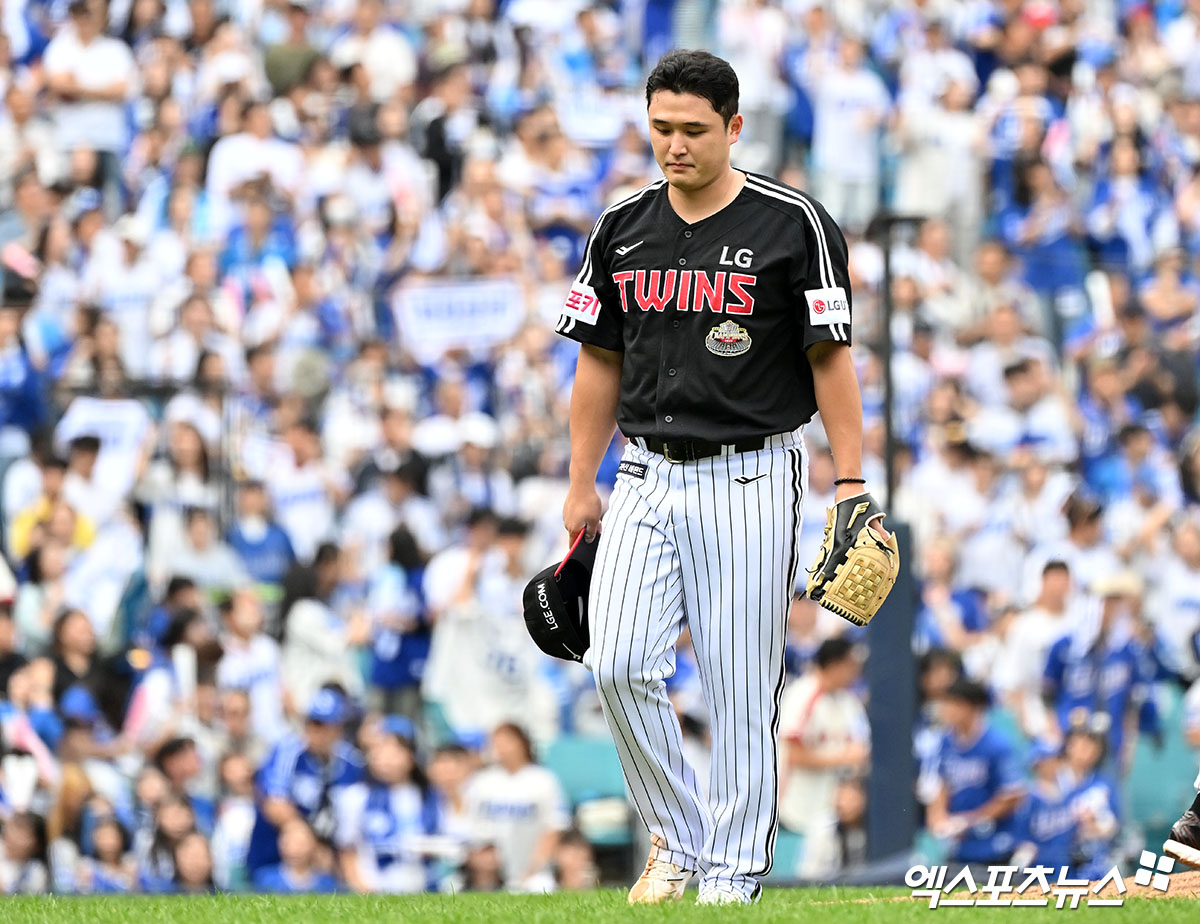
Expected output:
(687, 233)
(675, 324)
(670, 372)
(668, 418)
(682, 261)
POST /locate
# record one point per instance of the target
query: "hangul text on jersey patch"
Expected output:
(828, 306)
(582, 304)
(633, 469)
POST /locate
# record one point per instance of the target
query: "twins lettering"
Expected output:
(686, 290)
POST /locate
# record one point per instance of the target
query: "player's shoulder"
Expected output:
(632, 204)
(795, 203)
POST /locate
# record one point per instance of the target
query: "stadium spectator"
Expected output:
(519, 808)
(192, 859)
(981, 781)
(1022, 661)
(824, 725)
(1047, 827)
(381, 820)
(296, 872)
(23, 869)
(250, 662)
(260, 543)
(110, 869)
(574, 863)
(322, 630)
(1098, 670)
(850, 105)
(301, 777)
(1093, 799)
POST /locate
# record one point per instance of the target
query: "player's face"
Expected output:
(690, 139)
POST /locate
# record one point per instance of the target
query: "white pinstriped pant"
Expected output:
(688, 543)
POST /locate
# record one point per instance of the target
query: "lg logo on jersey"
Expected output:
(828, 306)
(742, 258)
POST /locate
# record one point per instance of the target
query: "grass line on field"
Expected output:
(825, 905)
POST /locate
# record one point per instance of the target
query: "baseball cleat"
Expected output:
(661, 881)
(722, 895)
(1184, 842)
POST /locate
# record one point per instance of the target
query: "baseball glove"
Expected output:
(855, 569)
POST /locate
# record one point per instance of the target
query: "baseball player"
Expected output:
(713, 309)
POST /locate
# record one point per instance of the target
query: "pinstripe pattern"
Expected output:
(688, 544)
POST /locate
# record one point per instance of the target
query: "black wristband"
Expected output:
(849, 481)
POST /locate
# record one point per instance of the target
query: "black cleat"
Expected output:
(1184, 842)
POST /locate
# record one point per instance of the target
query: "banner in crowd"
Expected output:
(434, 317)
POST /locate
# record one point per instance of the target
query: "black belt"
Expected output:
(692, 450)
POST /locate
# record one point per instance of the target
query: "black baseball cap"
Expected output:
(555, 603)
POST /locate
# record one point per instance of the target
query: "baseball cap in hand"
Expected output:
(555, 603)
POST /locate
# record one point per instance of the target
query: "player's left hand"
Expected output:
(844, 491)
(581, 511)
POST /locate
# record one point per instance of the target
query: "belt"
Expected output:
(693, 450)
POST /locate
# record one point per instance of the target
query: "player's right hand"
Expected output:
(582, 511)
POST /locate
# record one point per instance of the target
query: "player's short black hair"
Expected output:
(700, 73)
(833, 651)
(1055, 564)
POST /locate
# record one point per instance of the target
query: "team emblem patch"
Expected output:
(728, 340)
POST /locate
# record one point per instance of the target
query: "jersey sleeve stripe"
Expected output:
(828, 279)
(809, 209)
(585, 271)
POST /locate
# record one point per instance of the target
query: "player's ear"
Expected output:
(735, 128)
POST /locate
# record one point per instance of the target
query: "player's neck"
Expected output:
(696, 205)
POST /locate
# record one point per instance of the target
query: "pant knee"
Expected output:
(616, 676)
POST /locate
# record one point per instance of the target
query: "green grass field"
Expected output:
(827, 905)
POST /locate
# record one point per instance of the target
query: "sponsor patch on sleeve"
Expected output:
(582, 304)
(634, 469)
(828, 306)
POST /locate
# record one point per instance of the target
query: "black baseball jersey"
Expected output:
(713, 317)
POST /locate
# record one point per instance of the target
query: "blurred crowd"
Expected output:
(283, 419)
